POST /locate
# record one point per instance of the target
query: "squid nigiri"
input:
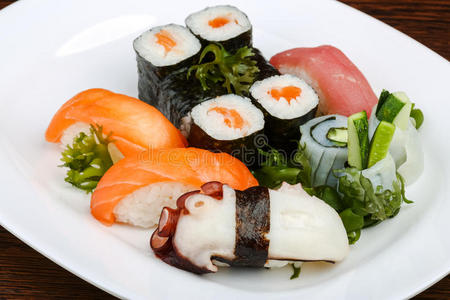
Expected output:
(257, 227)
(135, 189)
(341, 87)
(134, 125)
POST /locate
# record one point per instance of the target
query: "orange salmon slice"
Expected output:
(218, 22)
(289, 93)
(165, 39)
(231, 117)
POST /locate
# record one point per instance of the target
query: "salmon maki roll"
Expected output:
(341, 87)
(134, 125)
(135, 189)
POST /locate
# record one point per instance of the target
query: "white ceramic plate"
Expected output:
(51, 50)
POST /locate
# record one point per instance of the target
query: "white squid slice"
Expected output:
(322, 154)
(302, 228)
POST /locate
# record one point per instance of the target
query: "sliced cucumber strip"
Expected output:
(394, 108)
(358, 140)
(402, 118)
(381, 140)
(383, 96)
(338, 136)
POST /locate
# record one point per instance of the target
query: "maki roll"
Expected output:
(228, 124)
(161, 51)
(265, 68)
(257, 227)
(287, 103)
(223, 24)
(325, 142)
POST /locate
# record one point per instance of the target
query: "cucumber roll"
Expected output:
(161, 51)
(325, 142)
(228, 124)
(287, 103)
(222, 24)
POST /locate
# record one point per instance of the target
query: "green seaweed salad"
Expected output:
(87, 159)
(357, 203)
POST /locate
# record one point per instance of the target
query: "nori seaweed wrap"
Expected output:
(178, 93)
(228, 124)
(161, 51)
(222, 24)
(287, 102)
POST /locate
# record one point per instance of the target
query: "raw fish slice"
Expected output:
(341, 87)
(135, 126)
(190, 166)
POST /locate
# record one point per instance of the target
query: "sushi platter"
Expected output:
(234, 149)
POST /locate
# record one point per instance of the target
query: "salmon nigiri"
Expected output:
(135, 189)
(341, 87)
(134, 125)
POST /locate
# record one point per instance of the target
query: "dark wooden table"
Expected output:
(26, 273)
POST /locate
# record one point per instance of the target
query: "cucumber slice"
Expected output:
(338, 136)
(358, 140)
(394, 108)
(383, 96)
(402, 118)
(381, 140)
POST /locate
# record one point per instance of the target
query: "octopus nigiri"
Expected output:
(134, 125)
(258, 227)
(135, 189)
(341, 86)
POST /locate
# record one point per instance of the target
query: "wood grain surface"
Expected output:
(24, 273)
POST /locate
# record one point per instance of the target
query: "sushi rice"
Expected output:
(218, 23)
(271, 94)
(143, 207)
(167, 45)
(219, 117)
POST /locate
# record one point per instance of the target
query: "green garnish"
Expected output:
(295, 271)
(301, 160)
(380, 143)
(365, 206)
(338, 136)
(276, 169)
(87, 159)
(358, 140)
(236, 71)
(359, 205)
(359, 194)
(383, 97)
(417, 115)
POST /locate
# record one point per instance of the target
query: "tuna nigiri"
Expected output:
(134, 125)
(136, 188)
(341, 87)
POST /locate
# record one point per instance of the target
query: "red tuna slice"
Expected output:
(341, 87)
